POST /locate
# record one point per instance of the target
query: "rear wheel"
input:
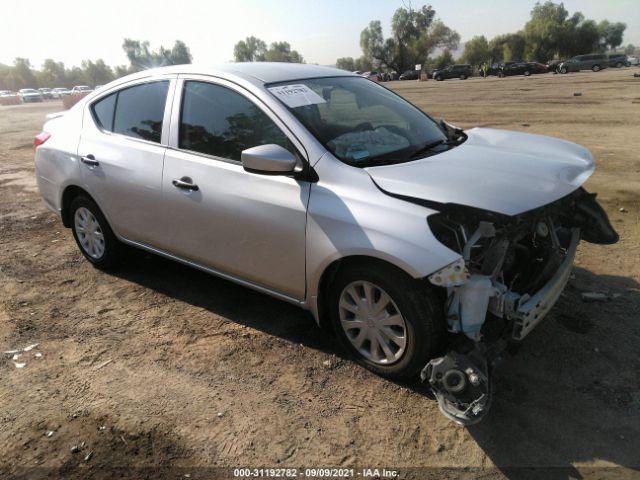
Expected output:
(527, 73)
(563, 70)
(463, 77)
(500, 74)
(92, 233)
(438, 78)
(596, 68)
(389, 322)
(619, 65)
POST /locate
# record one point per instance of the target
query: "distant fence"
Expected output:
(70, 100)
(16, 100)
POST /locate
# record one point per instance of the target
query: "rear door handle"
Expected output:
(184, 184)
(90, 160)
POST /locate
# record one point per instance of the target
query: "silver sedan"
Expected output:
(425, 248)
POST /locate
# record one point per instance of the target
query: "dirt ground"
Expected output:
(161, 371)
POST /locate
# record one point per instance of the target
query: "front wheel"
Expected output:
(389, 322)
(500, 74)
(92, 233)
(527, 73)
(596, 68)
(438, 78)
(564, 70)
(463, 77)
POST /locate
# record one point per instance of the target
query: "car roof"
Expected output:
(262, 72)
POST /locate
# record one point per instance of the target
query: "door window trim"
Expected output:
(176, 114)
(166, 119)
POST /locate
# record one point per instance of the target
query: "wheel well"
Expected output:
(329, 275)
(69, 194)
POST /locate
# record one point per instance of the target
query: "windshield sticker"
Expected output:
(295, 96)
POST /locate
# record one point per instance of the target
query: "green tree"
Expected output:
(611, 34)
(97, 73)
(52, 74)
(476, 51)
(630, 49)
(415, 34)
(281, 52)
(142, 57)
(446, 58)
(346, 63)
(251, 49)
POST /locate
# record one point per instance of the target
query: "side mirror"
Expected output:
(268, 159)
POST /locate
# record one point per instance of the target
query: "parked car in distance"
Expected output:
(619, 60)
(336, 195)
(7, 93)
(462, 71)
(592, 61)
(410, 75)
(373, 75)
(520, 68)
(60, 92)
(633, 60)
(81, 89)
(30, 95)
(46, 93)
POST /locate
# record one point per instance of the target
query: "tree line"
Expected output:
(551, 33)
(54, 74)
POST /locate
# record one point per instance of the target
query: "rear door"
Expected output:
(245, 225)
(122, 149)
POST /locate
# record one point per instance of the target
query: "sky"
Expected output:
(321, 30)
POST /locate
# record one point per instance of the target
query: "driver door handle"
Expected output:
(90, 160)
(179, 183)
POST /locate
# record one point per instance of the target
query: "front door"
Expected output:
(245, 225)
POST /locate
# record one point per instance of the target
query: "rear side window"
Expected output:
(217, 121)
(104, 110)
(135, 111)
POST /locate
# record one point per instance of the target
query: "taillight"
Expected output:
(40, 139)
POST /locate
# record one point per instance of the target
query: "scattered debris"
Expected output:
(104, 364)
(622, 210)
(526, 124)
(75, 449)
(37, 355)
(30, 347)
(594, 297)
(88, 456)
(11, 352)
(637, 75)
(577, 94)
(16, 356)
(122, 438)
(102, 428)
(220, 414)
(50, 433)
(332, 363)
(20, 365)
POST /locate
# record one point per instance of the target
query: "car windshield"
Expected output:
(361, 122)
(29, 90)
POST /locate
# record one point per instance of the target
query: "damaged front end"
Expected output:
(511, 272)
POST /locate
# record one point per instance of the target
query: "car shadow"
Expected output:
(571, 393)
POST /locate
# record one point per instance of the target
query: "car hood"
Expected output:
(497, 170)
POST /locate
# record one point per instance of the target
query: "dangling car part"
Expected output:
(512, 271)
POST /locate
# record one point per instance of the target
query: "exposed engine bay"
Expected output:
(511, 272)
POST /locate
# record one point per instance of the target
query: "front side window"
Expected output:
(361, 122)
(218, 121)
(135, 111)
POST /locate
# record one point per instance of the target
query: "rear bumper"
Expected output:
(531, 311)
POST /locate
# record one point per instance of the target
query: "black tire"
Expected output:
(527, 73)
(417, 302)
(463, 77)
(564, 70)
(438, 78)
(619, 65)
(111, 243)
(500, 74)
(596, 68)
